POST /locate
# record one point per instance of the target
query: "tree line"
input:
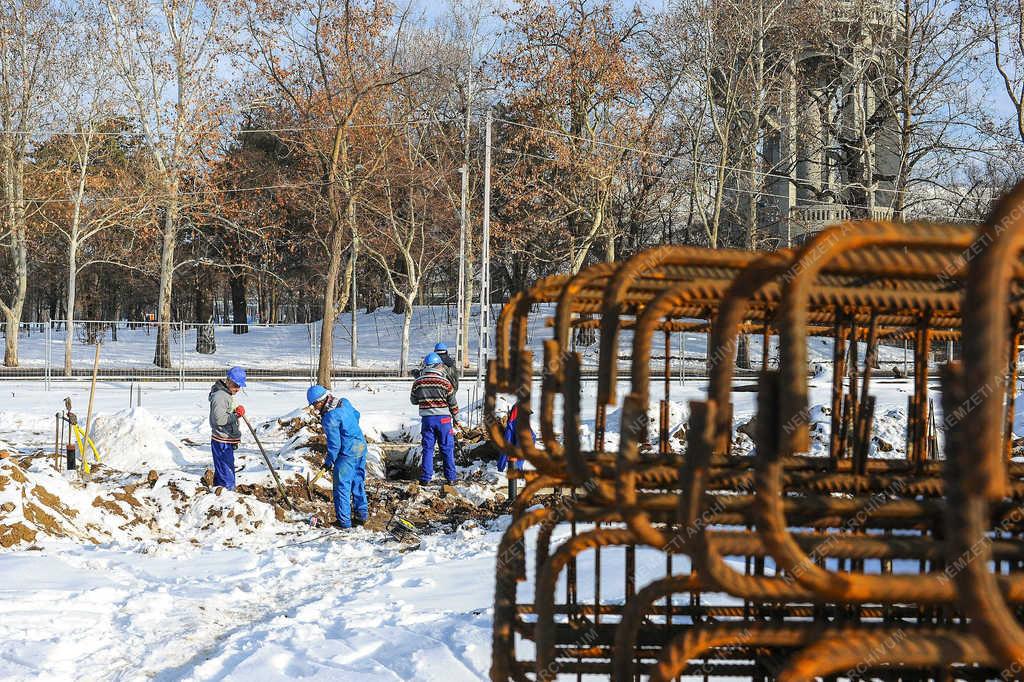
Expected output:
(170, 158)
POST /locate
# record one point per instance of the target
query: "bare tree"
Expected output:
(410, 239)
(1003, 29)
(30, 36)
(86, 164)
(571, 68)
(468, 44)
(167, 56)
(331, 61)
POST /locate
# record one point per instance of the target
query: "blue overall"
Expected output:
(223, 464)
(511, 436)
(437, 429)
(346, 457)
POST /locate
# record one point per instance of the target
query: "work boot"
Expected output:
(337, 526)
(358, 521)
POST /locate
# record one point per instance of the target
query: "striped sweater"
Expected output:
(434, 393)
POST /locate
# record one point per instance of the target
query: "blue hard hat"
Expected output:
(432, 359)
(315, 393)
(237, 376)
(440, 347)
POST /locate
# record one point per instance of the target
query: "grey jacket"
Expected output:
(223, 420)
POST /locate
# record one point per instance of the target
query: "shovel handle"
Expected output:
(280, 488)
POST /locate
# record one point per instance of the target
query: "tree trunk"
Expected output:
(326, 361)
(206, 342)
(743, 351)
(69, 327)
(403, 363)
(225, 300)
(19, 255)
(239, 312)
(354, 303)
(162, 356)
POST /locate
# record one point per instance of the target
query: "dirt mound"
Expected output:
(37, 503)
(432, 508)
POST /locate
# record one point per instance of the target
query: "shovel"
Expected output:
(280, 488)
(310, 483)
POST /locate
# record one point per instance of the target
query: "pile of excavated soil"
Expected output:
(140, 494)
(37, 502)
(432, 508)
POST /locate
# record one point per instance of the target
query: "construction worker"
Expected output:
(512, 435)
(433, 392)
(449, 363)
(346, 455)
(225, 433)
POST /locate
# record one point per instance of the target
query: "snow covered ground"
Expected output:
(295, 347)
(218, 586)
(286, 346)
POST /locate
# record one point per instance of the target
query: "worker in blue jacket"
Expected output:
(346, 455)
(512, 436)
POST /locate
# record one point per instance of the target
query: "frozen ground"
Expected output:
(218, 586)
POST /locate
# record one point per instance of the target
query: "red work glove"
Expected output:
(240, 411)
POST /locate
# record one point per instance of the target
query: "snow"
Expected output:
(211, 584)
(134, 440)
(282, 346)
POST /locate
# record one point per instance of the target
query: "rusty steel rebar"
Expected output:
(789, 549)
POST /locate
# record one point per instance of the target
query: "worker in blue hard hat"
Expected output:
(225, 433)
(441, 349)
(346, 455)
(435, 396)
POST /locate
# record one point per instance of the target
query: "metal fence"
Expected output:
(53, 352)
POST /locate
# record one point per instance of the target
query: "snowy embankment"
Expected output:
(137, 575)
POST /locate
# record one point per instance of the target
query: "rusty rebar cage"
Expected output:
(791, 551)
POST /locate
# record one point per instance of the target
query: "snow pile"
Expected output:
(678, 414)
(889, 431)
(134, 440)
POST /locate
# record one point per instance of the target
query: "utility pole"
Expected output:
(461, 349)
(465, 242)
(485, 265)
(355, 328)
